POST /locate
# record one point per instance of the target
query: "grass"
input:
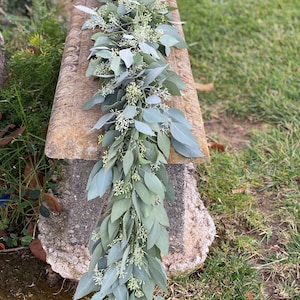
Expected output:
(250, 50)
(34, 46)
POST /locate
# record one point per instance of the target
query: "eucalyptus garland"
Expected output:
(137, 84)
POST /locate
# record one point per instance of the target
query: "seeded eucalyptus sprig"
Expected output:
(128, 57)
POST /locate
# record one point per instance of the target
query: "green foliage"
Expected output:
(25, 103)
(136, 85)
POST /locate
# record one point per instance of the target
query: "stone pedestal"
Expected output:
(65, 236)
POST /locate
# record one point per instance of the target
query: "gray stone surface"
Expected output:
(65, 236)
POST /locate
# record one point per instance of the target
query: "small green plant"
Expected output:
(140, 127)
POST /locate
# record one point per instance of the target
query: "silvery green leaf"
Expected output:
(157, 272)
(128, 270)
(153, 99)
(115, 65)
(122, 10)
(119, 208)
(113, 228)
(109, 137)
(85, 286)
(182, 134)
(186, 150)
(173, 31)
(148, 49)
(136, 204)
(163, 241)
(128, 36)
(91, 67)
(103, 120)
(127, 161)
(120, 292)
(86, 9)
(153, 235)
(172, 88)
(97, 253)
(97, 99)
(129, 112)
(115, 254)
(153, 74)
(143, 128)
(154, 184)
(178, 116)
(163, 143)
(103, 41)
(143, 192)
(96, 168)
(109, 279)
(148, 289)
(100, 183)
(153, 115)
(127, 56)
(168, 40)
(161, 214)
(103, 54)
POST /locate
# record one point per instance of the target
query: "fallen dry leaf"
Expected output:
(2, 246)
(37, 250)
(204, 87)
(239, 190)
(52, 202)
(216, 146)
(6, 140)
(3, 131)
(249, 296)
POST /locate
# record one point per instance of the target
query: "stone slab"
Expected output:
(65, 236)
(69, 134)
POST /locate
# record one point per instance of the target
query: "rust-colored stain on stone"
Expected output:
(69, 133)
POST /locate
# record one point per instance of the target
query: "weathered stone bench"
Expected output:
(65, 236)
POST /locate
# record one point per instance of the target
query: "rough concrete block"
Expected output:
(65, 236)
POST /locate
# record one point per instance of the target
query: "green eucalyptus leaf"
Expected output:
(109, 137)
(119, 208)
(96, 255)
(97, 99)
(157, 272)
(86, 9)
(109, 279)
(164, 144)
(153, 235)
(103, 54)
(115, 65)
(148, 289)
(163, 241)
(115, 254)
(129, 112)
(172, 87)
(153, 99)
(85, 286)
(168, 40)
(103, 120)
(92, 67)
(153, 74)
(128, 160)
(178, 116)
(143, 193)
(127, 56)
(148, 49)
(186, 150)
(96, 168)
(120, 292)
(100, 183)
(182, 134)
(113, 228)
(154, 184)
(143, 128)
(153, 115)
